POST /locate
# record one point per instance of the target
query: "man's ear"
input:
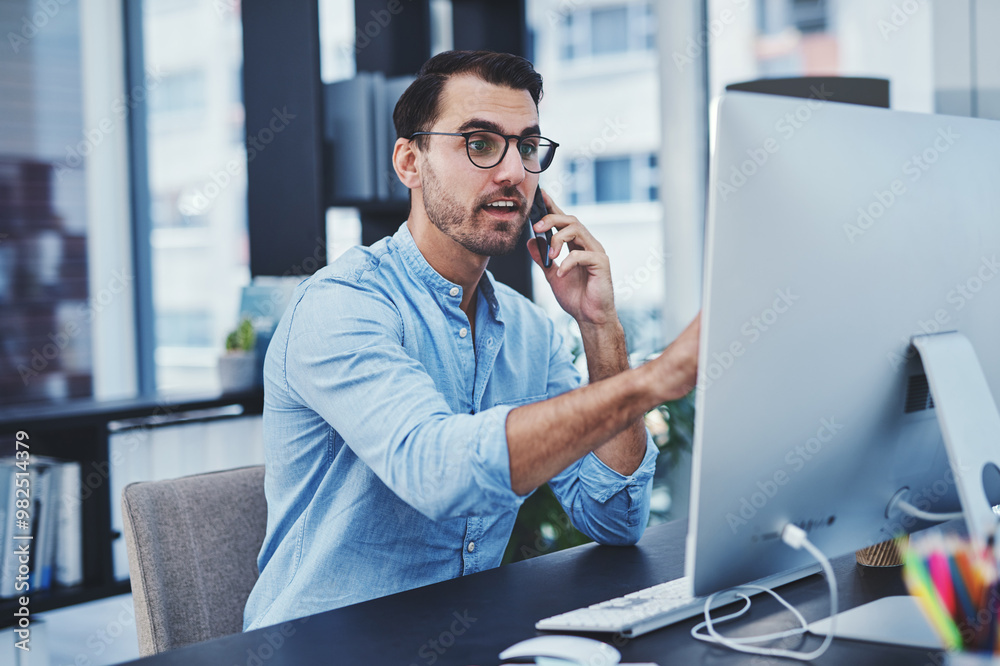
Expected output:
(404, 161)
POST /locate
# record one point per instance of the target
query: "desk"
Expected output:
(471, 619)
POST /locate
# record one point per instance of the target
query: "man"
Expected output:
(412, 402)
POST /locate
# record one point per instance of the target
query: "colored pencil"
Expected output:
(955, 583)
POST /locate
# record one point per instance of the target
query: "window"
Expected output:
(774, 16)
(809, 15)
(609, 30)
(65, 279)
(169, 209)
(653, 177)
(603, 104)
(183, 92)
(613, 180)
(621, 179)
(197, 183)
(787, 38)
(605, 30)
(184, 328)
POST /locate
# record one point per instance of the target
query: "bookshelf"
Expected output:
(80, 430)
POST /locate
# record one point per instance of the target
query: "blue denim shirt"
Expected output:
(385, 435)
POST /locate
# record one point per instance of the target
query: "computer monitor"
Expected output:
(836, 233)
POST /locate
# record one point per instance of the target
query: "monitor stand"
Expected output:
(970, 425)
(893, 620)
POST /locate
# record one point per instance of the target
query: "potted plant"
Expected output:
(672, 427)
(238, 366)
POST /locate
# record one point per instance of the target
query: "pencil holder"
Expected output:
(955, 582)
(885, 554)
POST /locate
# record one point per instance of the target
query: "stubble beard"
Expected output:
(472, 230)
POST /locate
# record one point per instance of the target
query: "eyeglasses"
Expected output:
(487, 149)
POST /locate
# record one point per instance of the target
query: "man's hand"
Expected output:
(582, 282)
(676, 369)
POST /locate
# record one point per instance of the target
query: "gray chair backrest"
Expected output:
(192, 550)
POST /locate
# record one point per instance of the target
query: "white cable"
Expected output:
(796, 538)
(710, 624)
(908, 508)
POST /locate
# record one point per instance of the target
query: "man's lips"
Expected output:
(503, 207)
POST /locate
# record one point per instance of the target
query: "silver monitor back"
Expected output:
(835, 233)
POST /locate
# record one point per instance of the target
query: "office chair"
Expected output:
(192, 549)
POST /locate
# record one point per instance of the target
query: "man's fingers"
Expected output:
(585, 259)
(536, 256)
(578, 238)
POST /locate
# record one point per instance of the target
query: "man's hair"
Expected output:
(418, 106)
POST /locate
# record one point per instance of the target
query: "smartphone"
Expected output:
(542, 239)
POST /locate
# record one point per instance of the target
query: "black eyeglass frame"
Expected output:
(506, 145)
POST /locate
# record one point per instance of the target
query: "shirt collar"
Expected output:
(423, 271)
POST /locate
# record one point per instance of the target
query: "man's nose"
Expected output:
(511, 168)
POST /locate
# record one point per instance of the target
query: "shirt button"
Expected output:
(454, 291)
(472, 546)
(463, 332)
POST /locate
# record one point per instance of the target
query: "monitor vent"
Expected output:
(918, 394)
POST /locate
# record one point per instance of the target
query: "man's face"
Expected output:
(462, 200)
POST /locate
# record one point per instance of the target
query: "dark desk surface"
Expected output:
(421, 627)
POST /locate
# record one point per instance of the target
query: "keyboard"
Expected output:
(644, 610)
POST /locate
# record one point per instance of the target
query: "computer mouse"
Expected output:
(572, 649)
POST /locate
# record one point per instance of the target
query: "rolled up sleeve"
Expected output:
(609, 507)
(346, 361)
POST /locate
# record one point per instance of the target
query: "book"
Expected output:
(41, 518)
(7, 528)
(8, 559)
(69, 527)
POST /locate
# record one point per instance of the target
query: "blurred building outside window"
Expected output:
(197, 182)
(601, 103)
(786, 38)
(66, 278)
(593, 31)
